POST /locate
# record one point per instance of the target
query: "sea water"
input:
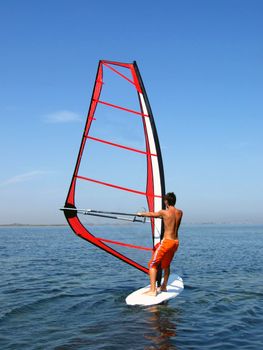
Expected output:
(59, 292)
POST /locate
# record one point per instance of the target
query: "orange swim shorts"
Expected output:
(163, 253)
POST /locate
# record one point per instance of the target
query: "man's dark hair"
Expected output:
(170, 197)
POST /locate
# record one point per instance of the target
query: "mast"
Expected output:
(157, 227)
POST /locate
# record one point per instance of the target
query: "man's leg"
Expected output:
(153, 268)
(165, 279)
(153, 275)
(166, 261)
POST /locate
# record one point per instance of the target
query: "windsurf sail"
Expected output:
(119, 165)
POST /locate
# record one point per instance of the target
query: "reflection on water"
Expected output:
(161, 321)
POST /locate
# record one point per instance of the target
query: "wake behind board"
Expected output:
(173, 289)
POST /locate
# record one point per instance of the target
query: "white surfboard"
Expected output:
(173, 289)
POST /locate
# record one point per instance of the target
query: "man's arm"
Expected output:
(151, 214)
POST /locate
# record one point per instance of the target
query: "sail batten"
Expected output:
(122, 108)
(120, 74)
(118, 187)
(120, 146)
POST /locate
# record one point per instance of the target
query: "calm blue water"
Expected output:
(59, 292)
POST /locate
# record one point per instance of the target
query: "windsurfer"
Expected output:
(165, 250)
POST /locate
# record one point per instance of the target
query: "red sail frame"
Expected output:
(152, 142)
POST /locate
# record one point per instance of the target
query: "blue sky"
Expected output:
(201, 62)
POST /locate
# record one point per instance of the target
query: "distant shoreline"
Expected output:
(121, 224)
(31, 225)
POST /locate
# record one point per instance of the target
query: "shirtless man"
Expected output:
(164, 251)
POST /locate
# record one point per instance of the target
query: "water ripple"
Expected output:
(58, 292)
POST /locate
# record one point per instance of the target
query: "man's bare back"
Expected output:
(171, 219)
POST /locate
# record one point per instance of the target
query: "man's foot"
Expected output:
(150, 293)
(162, 289)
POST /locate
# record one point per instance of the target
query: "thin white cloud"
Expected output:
(22, 177)
(62, 117)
